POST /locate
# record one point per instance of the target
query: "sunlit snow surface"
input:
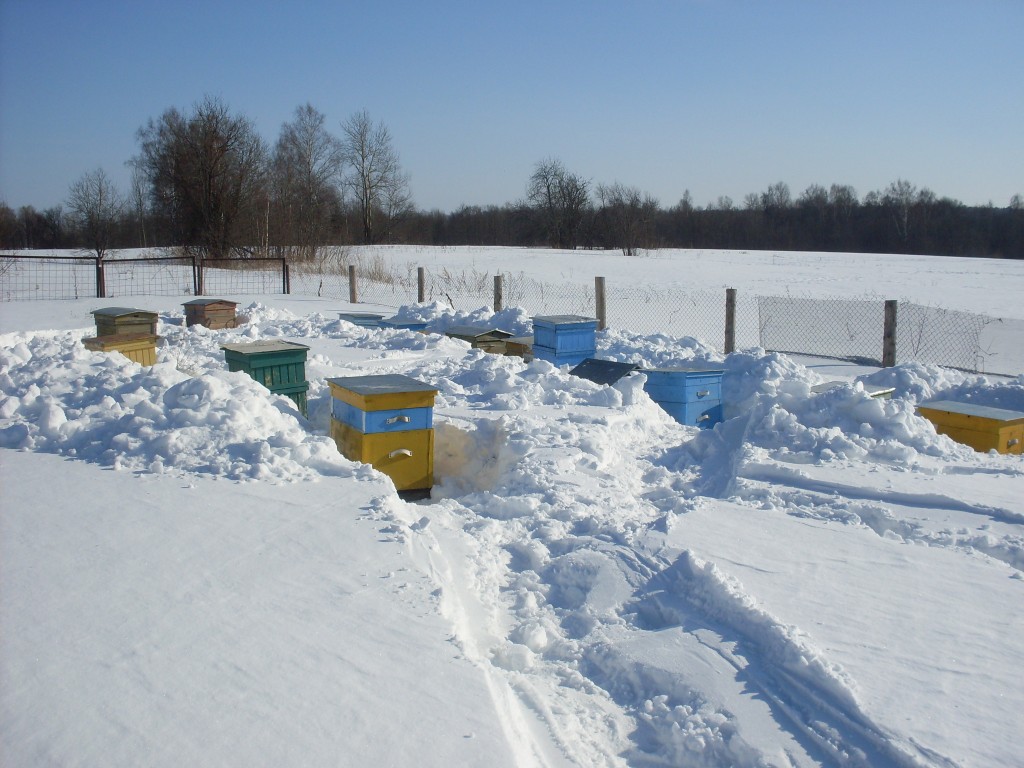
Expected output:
(190, 574)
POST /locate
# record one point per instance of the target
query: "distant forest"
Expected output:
(205, 180)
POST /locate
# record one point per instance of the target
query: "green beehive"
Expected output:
(280, 366)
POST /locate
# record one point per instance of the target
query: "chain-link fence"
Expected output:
(850, 329)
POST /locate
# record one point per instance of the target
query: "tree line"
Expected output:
(205, 180)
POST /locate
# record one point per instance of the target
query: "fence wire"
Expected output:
(26, 278)
(941, 336)
(170, 276)
(823, 327)
(243, 276)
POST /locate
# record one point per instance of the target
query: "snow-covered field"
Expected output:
(190, 574)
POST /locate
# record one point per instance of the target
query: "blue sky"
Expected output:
(720, 97)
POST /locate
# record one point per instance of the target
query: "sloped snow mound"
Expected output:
(59, 398)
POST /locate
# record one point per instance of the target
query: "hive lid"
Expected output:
(477, 331)
(563, 319)
(686, 368)
(264, 345)
(383, 384)
(603, 371)
(973, 409)
(122, 312)
(208, 302)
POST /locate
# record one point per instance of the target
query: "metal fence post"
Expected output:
(286, 277)
(499, 294)
(353, 294)
(889, 335)
(730, 320)
(421, 284)
(600, 307)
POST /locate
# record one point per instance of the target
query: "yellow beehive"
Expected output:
(982, 427)
(137, 347)
(406, 457)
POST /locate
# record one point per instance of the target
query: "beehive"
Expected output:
(211, 313)
(364, 319)
(487, 339)
(519, 346)
(564, 339)
(692, 395)
(137, 347)
(982, 427)
(280, 366)
(111, 321)
(386, 421)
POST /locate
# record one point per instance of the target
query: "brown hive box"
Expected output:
(211, 313)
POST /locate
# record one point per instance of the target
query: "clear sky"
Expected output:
(721, 97)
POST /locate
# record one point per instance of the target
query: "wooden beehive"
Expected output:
(386, 421)
(137, 347)
(211, 313)
(520, 346)
(692, 394)
(111, 321)
(487, 339)
(564, 339)
(982, 427)
(280, 366)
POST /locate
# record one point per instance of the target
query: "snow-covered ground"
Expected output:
(190, 573)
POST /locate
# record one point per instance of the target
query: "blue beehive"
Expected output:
(564, 339)
(692, 395)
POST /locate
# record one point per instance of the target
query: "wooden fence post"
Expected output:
(600, 307)
(353, 294)
(889, 335)
(101, 280)
(421, 284)
(730, 320)
(499, 294)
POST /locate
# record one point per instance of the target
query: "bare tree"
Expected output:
(306, 173)
(95, 207)
(561, 199)
(627, 215)
(206, 173)
(375, 177)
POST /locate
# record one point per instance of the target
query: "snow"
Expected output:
(190, 573)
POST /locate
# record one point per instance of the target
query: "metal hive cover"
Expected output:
(264, 345)
(384, 384)
(688, 368)
(478, 331)
(563, 319)
(122, 312)
(603, 371)
(208, 302)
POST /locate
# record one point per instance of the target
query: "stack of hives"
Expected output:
(564, 339)
(132, 332)
(386, 421)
